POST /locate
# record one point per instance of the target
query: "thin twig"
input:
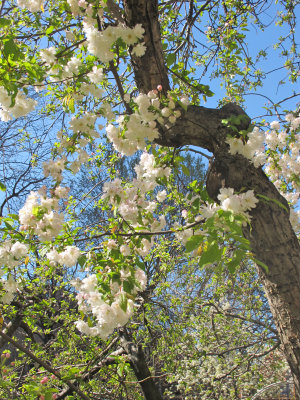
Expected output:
(44, 364)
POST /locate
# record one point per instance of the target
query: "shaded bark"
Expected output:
(139, 365)
(149, 70)
(271, 236)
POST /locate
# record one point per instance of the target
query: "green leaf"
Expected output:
(81, 260)
(171, 58)
(274, 201)
(14, 217)
(4, 22)
(115, 276)
(72, 105)
(235, 262)
(8, 224)
(10, 48)
(193, 243)
(120, 369)
(262, 264)
(2, 187)
(48, 396)
(49, 30)
(123, 302)
(211, 255)
(185, 170)
(128, 286)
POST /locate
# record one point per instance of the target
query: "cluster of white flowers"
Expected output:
(280, 152)
(283, 162)
(84, 134)
(100, 42)
(133, 130)
(131, 200)
(88, 89)
(237, 203)
(48, 55)
(85, 124)
(72, 68)
(83, 8)
(96, 75)
(108, 316)
(54, 168)
(253, 149)
(183, 234)
(10, 287)
(23, 105)
(40, 215)
(12, 254)
(68, 257)
(31, 5)
(295, 219)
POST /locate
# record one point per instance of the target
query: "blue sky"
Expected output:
(256, 40)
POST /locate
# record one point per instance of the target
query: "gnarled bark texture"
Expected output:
(271, 236)
(139, 365)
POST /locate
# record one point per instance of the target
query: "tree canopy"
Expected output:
(149, 243)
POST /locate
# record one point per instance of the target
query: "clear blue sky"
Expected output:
(257, 40)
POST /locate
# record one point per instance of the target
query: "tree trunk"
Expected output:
(271, 236)
(138, 363)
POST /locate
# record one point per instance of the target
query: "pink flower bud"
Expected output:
(44, 380)
(159, 88)
(184, 213)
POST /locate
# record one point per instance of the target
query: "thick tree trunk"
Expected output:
(271, 236)
(273, 242)
(139, 365)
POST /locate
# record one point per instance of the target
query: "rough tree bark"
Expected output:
(271, 236)
(139, 365)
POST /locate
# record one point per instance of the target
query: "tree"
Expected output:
(154, 48)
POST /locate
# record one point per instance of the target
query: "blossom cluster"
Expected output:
(11, 255)
(48, 55)
(99, 43)
(40, 215)
(68, 257)
(238, 204)
(31, 5)
(10, 287)
(83, 8)
(85, 123)
(54, 168)
(23, 105)
(131, 201)
(84, 133)
(280, 152)
(132, 131)
(253, 149)
(109, 315)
